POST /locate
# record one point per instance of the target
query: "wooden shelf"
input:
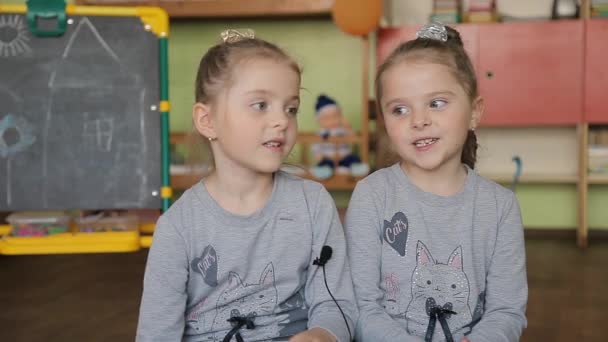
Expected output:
(336, 182)
(534, 178)
(178, 138)
(598, 178)
(313, 138)
(228, 8)
(184, 181)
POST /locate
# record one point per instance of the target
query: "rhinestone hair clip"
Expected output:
(233, 36)
(434, 30)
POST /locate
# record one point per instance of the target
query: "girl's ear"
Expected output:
(477, 109)
(201, 116)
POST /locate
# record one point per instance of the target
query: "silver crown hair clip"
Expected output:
(233, 36)
(434, 30)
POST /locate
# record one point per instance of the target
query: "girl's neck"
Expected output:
(444, 181)
(240, 194)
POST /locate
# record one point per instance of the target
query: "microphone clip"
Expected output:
(319, 262)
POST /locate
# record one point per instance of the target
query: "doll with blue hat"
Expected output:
(332, 157)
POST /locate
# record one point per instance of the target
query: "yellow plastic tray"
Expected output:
(5, 229)
(67, 243)
(147, 228)
(145, 241)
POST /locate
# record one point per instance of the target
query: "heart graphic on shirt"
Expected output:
(395, 232)
(206, 265)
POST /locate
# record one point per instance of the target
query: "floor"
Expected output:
(96, 297)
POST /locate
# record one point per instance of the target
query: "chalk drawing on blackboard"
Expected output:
(85, 21)
(78, 48)
(13, 36)
(142, 121)
(125, 152)
(45, 135)
(16, 135)
(98, 132)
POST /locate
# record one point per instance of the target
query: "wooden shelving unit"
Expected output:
(228, 8)
(594, 110)
(599, 179)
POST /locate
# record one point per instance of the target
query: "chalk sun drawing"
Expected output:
(13, 36)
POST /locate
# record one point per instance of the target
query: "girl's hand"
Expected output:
(314, 335)
(464, 339)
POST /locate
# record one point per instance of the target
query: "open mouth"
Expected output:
(273, 144)
(425, 142)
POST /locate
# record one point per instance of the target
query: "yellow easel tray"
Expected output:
(69, 243)
(146, 241)
(147, 228)
(5, 229)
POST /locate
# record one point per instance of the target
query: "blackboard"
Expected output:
(79, 117)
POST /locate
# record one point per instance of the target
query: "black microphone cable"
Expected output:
(326, 252)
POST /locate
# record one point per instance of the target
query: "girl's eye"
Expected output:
(292, 110)
(436, 104)
(262, 105)
(401, 110)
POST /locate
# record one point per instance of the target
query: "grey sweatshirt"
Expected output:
(411, 251)
(207, 265)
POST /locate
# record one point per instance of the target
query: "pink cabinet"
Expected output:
(531, 73)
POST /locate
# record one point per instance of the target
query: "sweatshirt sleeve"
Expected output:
(506, 284)
(163, 304)
(365, 255)
(323, 312)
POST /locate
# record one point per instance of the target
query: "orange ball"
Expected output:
(357, 17)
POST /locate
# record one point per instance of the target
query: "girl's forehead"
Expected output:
(419, 78)
(266, 73)
(410, 67)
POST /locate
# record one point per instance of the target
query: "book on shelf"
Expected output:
(599, 11)
(598, 136)
(482, 6)
(598, 158)
(481, 11)
(446, 11)
(446, 18)
(481, 17)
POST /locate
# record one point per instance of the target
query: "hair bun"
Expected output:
(453, 36)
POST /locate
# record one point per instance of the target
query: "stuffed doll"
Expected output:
(331, 157)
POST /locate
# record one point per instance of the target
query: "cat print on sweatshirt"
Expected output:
(438, 284)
